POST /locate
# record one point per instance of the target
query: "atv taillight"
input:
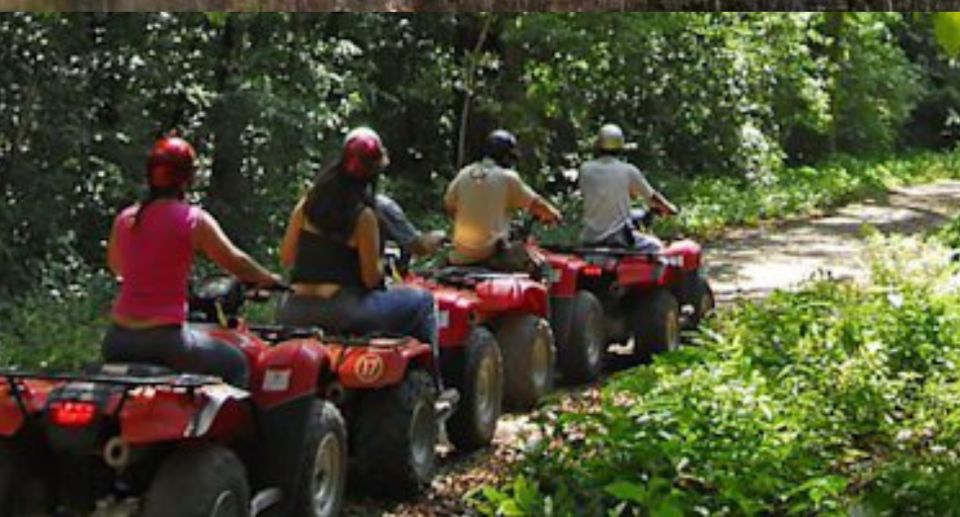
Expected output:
(592, 270)
(72, 414)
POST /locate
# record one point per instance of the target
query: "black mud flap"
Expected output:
(561, 319)
(282, 435)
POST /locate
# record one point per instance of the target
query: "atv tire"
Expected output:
(656, 325)
(203, 481)
(477, 373)
(581, 357)
(529, 360)
(701, 299)
(395, 438)
(321, 481)
(10, 475)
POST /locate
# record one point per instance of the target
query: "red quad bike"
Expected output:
(386, 388)
(496, 345)
(181, 444)
(191, 445)
(604, 295)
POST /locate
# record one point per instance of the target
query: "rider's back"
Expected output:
(157, 255)
(608, 186)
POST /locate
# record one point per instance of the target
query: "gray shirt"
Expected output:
(394, 224)
(609, 185)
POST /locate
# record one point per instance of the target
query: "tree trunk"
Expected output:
(470, 82)
(229, 189)
(834, 30)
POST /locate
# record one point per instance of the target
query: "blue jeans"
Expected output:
(404, 311)
(177, 347)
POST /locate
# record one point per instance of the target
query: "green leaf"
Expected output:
(217, 19)
(946, 27)
(627, 491)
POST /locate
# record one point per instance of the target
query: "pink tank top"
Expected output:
(155, 260)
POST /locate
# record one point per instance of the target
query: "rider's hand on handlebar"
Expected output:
(553, 216)
(433, 241)
(274, 281)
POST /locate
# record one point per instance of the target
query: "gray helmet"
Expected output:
(611, 138)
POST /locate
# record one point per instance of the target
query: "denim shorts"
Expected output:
(404, 311)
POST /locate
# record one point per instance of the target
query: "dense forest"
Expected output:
(478, 5)
(267, 98)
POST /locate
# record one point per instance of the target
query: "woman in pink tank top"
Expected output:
(151, 250)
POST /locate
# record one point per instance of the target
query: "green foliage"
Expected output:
(268, 96)
(817, 402)
(946, 26)
(876, 88)
(60, 324)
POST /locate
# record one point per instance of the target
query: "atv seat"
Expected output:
(136, 370)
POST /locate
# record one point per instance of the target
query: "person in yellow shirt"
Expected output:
(483, 198)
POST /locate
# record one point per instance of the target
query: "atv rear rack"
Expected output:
(467, 276)
(603, 250)
(181, 380)
(189, 382)
(278, 333)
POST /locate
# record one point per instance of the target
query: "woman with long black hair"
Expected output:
(332, 243)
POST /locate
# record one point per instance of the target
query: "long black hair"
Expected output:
(335, 201)
(155, 194)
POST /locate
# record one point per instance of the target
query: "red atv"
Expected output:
(496, 345)
(182, 444)
(604, 295)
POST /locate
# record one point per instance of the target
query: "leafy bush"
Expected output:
(832, 398)
(60, 324)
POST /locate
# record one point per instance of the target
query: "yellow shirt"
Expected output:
(484, 195)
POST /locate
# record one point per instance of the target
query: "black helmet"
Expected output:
(502, 147)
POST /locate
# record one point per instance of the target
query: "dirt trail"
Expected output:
(744, 263)
(753, 262)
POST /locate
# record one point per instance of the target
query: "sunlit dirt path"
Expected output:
(746, 263)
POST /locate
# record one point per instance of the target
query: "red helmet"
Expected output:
(363, 154)
(172, 163)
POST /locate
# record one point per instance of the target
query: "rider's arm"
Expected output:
(209, 237)
(640, 188)
(397, 227)
(522, 196)
(288, 248)
(367, 235)
(663, 205)
(544, 210)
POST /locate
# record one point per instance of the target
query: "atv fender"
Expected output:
(565, 274)
(640, 271)
(454, 310)
(33, 396)
(288, 371)
(380, 364)
(151, 415)
(691, 252)
(513, 294)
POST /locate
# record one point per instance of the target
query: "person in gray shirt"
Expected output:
(609, 186)
(396, 227)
